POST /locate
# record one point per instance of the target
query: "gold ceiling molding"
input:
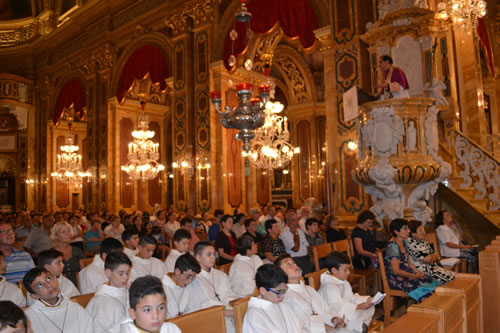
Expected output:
(201, 12)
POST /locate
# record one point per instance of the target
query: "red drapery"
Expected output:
(72, 92)
(484, 41)
(147, 59)
(296, 17)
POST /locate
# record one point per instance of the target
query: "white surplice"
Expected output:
(265, 317)
(180, 300)
(306, 303)
(128, 327)
(340, 298)
(92, 276)
(142, 267)
(66, 316)
(242, 274)
(171, 259)
(11, 292)
(215, 288)
(108, 308)
(130, 253)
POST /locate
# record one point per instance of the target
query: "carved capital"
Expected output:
(324, 35)
(99, 59)
(201, 12)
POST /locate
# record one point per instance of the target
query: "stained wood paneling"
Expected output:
(304, 142)
(154, 184)
(126, 183)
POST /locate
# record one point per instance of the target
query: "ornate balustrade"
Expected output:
(479, 168)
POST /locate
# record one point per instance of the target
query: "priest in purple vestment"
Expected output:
(394, 83)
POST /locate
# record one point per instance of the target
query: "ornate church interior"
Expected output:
(147, 105)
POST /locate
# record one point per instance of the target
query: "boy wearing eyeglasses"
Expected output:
(52, 311)
(305, 301)
(268, 313)
(12, 318)
(109, 305)
(182, 297)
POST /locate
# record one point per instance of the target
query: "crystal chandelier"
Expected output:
(69, 163)
(271, 148)
(247, 116)
(143, 153)
(461, 11)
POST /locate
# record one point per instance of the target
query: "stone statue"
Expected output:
(411, 133)
(436, 91)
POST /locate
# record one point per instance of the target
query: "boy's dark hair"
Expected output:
(218, 212)
(48, 256)
(142, 287)
(10, 315)
(147, 239)
(269, 224)
(181, 234)
(282, 257)
(243, 244)
(200, 246)
(310, 221)
(115, 259)
(365, 215)
(128, 234)
(109, 245)
(31, 276)
(187, 262)
(396, 225)
(248, 220)
(335, 260)
(387, 58)
(270, 276)
(185, 220)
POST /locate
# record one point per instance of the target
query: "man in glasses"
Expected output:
(182, 297)
(19, 262)
(269, 313)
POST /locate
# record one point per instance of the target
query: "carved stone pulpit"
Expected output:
(399, 165)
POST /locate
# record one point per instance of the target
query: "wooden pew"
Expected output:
(240, 307)
(489, 270)
(469, 286)
(460, 266)
(210, 320)
(225, 268)
(414, 322)
(83, 300)
(449, 308)
(320, 251)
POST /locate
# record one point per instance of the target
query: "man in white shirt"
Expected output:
(9, 291)
(305, 213)
(144, 263)
(93, 275)
(182, 297)
(296, 243)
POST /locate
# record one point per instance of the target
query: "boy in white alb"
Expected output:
(337, 292)
(108, 307)
(181, 241)
(144, 263)
(9, 291)
(52, 260)
(130, 240)
(305, 301)
(52, 311)
(212, 283)
(244, 267)
(182, 297)
(93, 275)
(147, 308)
(268, 313)
(12, 318)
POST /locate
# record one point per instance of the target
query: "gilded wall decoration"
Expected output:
(304, 143)
(179, 125)
(352, 195)
(179, 69)
(201, 12)
(295, 77)
(201, 51)
(126, 183)
(344, 23)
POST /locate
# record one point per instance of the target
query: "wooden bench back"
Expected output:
(240, 307)
(83, 300)
(320, 251)
(225, 268)
(314, 278)
(210, 320)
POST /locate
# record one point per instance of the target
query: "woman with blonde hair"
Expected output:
(61, 235)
